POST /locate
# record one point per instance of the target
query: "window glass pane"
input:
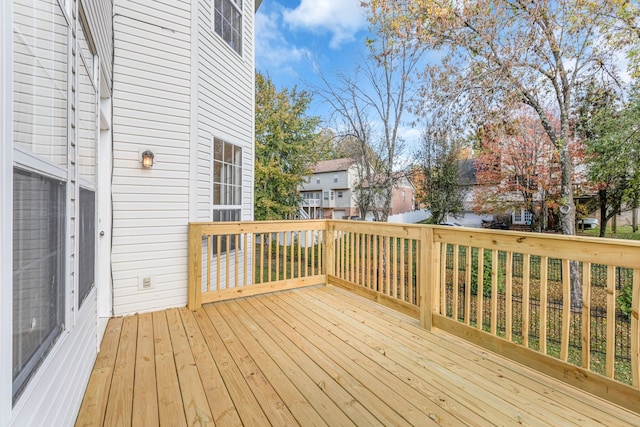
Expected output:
(87, 239)
(217, 191)
(38, 271)
(40, 79)
(227, 22)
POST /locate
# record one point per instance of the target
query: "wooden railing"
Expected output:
(233, 259)
(493, 288)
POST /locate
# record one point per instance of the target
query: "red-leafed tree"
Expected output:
(518, 167)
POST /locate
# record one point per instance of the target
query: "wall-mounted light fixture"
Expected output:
(147, 159)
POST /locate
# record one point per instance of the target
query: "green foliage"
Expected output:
(440, 190)
(612, 144)
(486, 274)
(625, 297)
(288, 144)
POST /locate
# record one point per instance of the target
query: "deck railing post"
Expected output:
(635, 329)
(330, 253)
(195, 267)
(425, 277)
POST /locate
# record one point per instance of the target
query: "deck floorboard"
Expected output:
(316, 356)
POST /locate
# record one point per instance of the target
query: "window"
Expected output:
(227, 188)
(38, 271)
(227, 174)
(40, 177)
(317, 180)
(227, 22)
(326, 195)
(87, 242)
(87, 139)
(40, 81)
(339, 194)
(335, 178)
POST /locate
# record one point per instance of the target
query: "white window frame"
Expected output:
(238, 7)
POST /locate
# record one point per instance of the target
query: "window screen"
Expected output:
(38, 270)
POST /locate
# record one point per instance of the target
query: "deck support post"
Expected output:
(330, 245)
(425, 278)
(194, 290)
(635, 330)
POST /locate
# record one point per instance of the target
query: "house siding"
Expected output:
(99, 19)
(225, 82)
(63, 374)
(152, 108)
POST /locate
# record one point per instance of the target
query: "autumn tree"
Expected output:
(620, 26)
(369, 107)
(439, 187)
(496, 55)
(517, 168)
(288, 145)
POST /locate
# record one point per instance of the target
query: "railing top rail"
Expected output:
(409, 231)
(622, 253)
(239, 227)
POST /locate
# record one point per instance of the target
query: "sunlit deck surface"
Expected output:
(316, 356)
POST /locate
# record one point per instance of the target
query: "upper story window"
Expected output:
(227, 22)
(335, 178)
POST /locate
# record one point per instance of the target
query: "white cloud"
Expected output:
(272, 49)
(342, 18)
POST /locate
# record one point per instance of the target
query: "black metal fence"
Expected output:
(554, 322)
(554, 268)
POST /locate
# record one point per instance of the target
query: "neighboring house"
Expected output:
(86, 231)
(330, 192)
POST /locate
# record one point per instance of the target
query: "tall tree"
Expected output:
(370, 106)
(612, 141)
(497, 54)
(288, 144)
(439, 187)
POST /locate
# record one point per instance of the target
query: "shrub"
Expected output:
(624, 296)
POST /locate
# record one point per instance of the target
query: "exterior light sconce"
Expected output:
(147, 159)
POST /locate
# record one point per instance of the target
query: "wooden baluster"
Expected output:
(586, 315)
(467, 287)
(480, 289)
(611, 321)
(544, 304)
(566, 309)
(526, 279)
(508, 298)
(494, 291)
(456, 285)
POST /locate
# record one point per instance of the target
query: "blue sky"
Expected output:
(295, 38)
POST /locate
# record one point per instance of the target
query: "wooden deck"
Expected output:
(316, 356)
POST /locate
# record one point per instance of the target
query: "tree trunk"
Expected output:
(602, 198)
(634, 219)
(614, 224)
(568, 223)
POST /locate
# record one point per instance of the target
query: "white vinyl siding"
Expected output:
(51, 123)
(225, 105)
(151, 98)
(99, 17)
(225, 91)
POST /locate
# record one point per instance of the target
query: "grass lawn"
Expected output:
(623, 232)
